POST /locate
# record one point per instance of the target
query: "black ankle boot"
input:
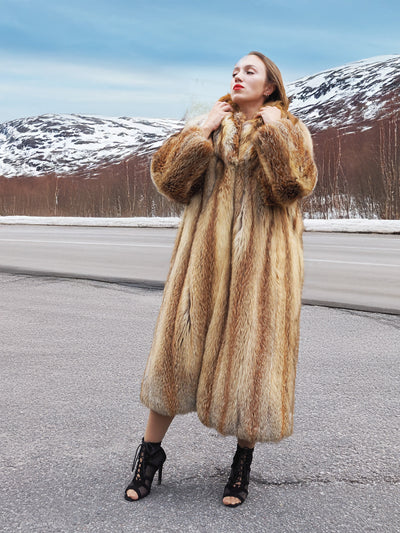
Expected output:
(239, 478)
(149, 458)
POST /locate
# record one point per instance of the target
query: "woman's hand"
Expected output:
(218, 112)
(270, 114)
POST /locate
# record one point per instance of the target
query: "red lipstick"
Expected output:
(237, 87)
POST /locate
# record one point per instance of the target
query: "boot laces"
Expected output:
(138, 461)
(240, 470)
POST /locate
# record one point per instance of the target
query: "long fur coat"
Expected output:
(227, 334)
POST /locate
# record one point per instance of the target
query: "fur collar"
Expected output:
(258, 121)
(233, 139)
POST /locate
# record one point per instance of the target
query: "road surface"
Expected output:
(360, 271)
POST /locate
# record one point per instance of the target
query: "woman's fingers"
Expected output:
(269, 114)
(217, 114)
(226, 107)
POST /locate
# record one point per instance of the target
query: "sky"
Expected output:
(168, 59)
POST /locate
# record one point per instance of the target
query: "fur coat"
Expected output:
(227, 335)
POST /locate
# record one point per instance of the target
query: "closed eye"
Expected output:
(247, 72)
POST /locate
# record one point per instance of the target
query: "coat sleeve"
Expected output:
(178, 167)
(287, 167)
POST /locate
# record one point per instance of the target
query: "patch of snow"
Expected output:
(134, 222)
(353, 225)
(357, 225)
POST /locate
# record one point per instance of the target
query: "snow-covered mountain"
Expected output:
(68, 143)
(350, 96)
(353, 113)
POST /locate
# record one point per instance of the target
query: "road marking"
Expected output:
(351, 263)
(85, 243)
(377, 249)
(143, 245)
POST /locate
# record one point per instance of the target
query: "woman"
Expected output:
(227, 335)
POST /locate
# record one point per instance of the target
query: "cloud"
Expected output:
(36, 85)
(26, 67)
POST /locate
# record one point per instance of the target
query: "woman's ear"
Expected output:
(269, 89)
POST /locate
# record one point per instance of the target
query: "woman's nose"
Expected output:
(237, 77)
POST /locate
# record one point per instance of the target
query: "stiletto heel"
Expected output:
(149, 458)
(239, 478)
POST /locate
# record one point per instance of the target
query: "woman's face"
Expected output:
(249, 81)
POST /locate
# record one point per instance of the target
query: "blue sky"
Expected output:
(163, 58)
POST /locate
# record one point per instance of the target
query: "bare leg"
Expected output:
(246, 443)
(157, 426)
(231, 499)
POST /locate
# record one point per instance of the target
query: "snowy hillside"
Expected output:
(355, 94)
(66, 143)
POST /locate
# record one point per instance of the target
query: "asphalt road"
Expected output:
(360, 271)
(72, 356)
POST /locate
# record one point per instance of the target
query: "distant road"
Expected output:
(360, 271)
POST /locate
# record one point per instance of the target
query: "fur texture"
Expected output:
(227, 334)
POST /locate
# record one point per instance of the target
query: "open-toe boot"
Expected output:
(149, 458)
(239, 478)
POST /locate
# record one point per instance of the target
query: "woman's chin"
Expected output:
(238, 99)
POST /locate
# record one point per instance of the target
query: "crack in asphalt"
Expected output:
(391, 480)
(327, 481)
(387, 319)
